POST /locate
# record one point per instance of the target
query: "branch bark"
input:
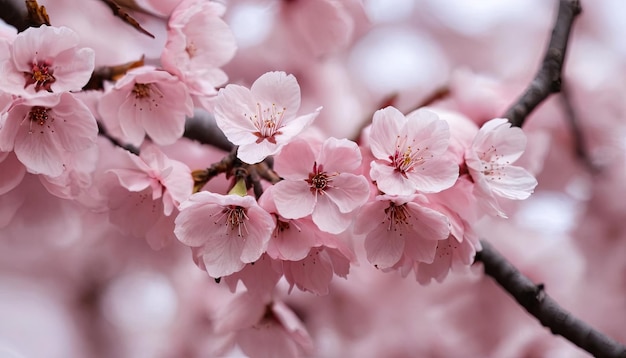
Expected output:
(537, 302)
(548, 78)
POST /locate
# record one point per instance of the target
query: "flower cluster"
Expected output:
(296, 205)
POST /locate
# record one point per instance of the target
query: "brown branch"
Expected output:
(37, 14)
(577, 134)
(537, 302)
(548, 78)
(116, 142)
(122, 14)
(14, 15)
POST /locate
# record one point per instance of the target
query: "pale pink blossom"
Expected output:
(11, 172)
(292, 239)
(48, 59)
(321, 185)
(315, 272)
(399, 227)
(167, 178)
(149, 101)
(262, 119)
(228, 230)
(43, 130)
(489, 161)
(198, 43)
(259, 277)
(410, 152)
(263, 327)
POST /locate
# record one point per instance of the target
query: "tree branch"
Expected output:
(537, 302)
(548, 78)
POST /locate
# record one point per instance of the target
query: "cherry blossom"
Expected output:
(489, 161)
(263, 327)
(397, 226)
(43, 130)
(262, 119)
(149, 101)
(168, 179)
(192, 55)
(46, 59)
(410, 152)
(228, 230)
(321, 185)
(315, 272)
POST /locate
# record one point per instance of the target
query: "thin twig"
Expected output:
(577, 134)
(103, 132)
(537, 302)
(122, 14)
(548, 78)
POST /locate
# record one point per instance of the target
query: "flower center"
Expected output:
(491, 166)
(319, 180)
(236, 219)
(267, 121)
(40, 75)
(38, 115)
(406, 157)
(397, 215)
(141, 90)
(191, 49)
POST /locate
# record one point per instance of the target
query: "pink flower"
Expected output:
(46, 58)
(229, 230)
(198, 43)
(262, 119)
(43, 130)
(149, 101)
(11, 172)
(489, 160)
(410, 152)
(263, 327)
(315, 272)
(167, 178)
(320, 185)
(398, 227)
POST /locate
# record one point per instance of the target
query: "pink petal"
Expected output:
(515, 183)
(328, 218)
(340, 155)
(293, 199)
(390, 181)
(384, 247)
(295, 161)
(434, 175)
(386, 126)
(280, 89)
(348, 192)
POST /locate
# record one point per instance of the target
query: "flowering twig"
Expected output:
(537, 302)
(548, 78)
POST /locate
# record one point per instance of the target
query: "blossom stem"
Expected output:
(103, 132)
(537, 302)
(548, 79)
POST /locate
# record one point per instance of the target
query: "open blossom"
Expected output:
(46, 59)
(43, 130)
(398, 227)
(489, 161)
(262, 119)
(149, 101)
(410, 152)
(263, 327)
(228, 230)
(167, 178)
(198, 43)
(320, 185)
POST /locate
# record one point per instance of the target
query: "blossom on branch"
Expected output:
(489, 161)
(44, 130)
(410, 152)
(149, 101)
(46, 59)
(321, 185)
(262, 119)
(228, 230)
